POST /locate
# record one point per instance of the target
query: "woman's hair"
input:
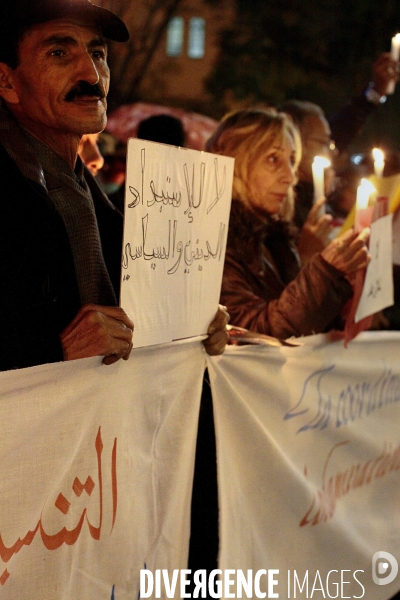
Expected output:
(246, 135)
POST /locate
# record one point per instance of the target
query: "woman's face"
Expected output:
(272, 175)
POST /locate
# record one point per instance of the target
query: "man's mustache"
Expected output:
(83, 88)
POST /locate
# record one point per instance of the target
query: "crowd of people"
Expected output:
(60, 235)
(287, 272)
(54, 104)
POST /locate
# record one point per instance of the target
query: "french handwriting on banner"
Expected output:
(321, 403)
(176, 221)
(336, 483)
(69, 536)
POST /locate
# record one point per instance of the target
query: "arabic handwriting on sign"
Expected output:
(70, 536)
(377, 249)
(143, 166)
(191, 187)
(375, 288)
(136, 197)
(194, 188)
(164, 198)
(177, 250)
(219, 189)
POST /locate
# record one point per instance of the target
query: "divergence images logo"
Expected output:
(385, 564)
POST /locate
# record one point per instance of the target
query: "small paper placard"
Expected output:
(177, 204)
(396, 238)
(377, 292)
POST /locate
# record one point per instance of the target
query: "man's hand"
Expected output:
(217, 334)
(98, 331)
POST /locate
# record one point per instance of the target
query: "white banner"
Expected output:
(96, 473)
(97, 467)
(308, 445)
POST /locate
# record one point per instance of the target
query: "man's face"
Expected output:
(316, 140)
(62, 80)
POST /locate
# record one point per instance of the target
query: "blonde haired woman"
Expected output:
(264, 288)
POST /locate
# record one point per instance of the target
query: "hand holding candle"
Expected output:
(379, 161)
(319, 164)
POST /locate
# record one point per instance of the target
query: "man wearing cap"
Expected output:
(60, 237)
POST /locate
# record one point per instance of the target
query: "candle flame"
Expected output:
(364, 191)
(367, 186)
(322, 161)
(378, 155)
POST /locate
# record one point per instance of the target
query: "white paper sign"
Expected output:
(377, 292)
(176, 223)
(396, 238)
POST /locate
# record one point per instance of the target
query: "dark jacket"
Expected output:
(39, 292)
(280, 300)
(349, 121)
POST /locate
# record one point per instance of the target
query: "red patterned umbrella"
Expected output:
(123, 122)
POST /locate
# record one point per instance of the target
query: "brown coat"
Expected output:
(277, 297)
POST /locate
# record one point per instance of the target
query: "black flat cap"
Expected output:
(22, 14)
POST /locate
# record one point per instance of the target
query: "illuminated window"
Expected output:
(175, 36)
(196, 37)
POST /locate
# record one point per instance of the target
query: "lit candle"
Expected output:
(319, 164)
(379, 161)
(395, 52)
(364, 190)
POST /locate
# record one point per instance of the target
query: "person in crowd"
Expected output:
(321, 136)
(105, 157)
(316, 140)
(90, 153)
(263, 286)
(343, 197)
(165, 129)
(60, 237)
(347, 123)
(313, 221)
